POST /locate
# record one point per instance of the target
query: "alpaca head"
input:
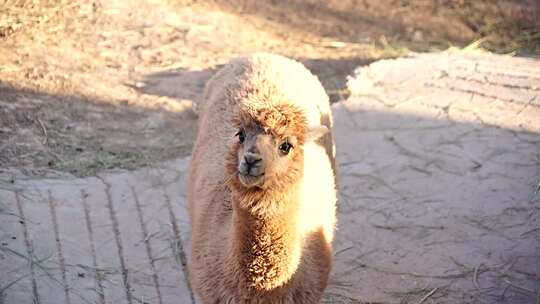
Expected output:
(268, 148)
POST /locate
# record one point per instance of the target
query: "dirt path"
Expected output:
(110, 84)
(93, 85)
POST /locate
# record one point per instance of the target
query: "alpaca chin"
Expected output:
(250, 181)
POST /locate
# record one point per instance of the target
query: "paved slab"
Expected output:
(439, 169)
(116, 238)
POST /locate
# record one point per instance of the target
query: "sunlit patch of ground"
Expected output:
(90, 85)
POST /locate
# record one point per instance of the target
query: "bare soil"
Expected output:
(92, 85)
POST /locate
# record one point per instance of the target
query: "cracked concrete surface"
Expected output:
(439, 172)
(439, 163)
(114, 238)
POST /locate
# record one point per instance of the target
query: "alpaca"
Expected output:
(261, 188)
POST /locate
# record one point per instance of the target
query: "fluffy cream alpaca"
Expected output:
(262, 185)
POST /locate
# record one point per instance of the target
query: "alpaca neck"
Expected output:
(266, 247)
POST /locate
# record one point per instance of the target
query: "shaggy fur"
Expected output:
(269, 243)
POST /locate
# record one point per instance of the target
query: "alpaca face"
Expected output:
(268, 152)
(264, 159)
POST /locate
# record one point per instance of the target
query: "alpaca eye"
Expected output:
(285, 148)
(241, 135)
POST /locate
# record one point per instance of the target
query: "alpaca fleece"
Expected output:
(267, 244)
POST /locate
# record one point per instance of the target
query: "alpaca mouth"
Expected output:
(250, 180)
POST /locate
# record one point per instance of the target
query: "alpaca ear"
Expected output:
(316, 132)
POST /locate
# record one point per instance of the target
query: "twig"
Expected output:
(523, 289)
(343, 250)
(334, 44)
(5, 287)
(429, 294)
(38, 263)
(475, 276)
(44, 131)
(530, 231)
(417, 275)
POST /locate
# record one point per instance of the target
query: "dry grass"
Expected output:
(58, 112)
(31, 17)
(335, 298)
(503, 26)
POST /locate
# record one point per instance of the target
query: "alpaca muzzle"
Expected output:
(251, 169)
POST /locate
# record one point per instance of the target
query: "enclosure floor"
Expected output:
(439, 171)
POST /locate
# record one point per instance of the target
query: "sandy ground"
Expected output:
(111, 85)
(439, 172)
(93, 85)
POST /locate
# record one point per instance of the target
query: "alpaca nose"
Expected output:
(252, 159)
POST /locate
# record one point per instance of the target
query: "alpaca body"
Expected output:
(271, 245)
